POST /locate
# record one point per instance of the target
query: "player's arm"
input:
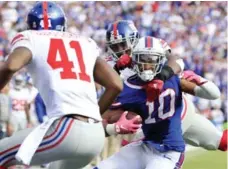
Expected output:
(17, 59)
(27, 113)
(107, 77)
(204, 88)
(187, 86)
(174, 66)
(118, 122)
(204, 91)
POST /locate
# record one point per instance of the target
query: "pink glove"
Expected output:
(124, 142)
(123, 62)
(125, 126)
(194, 78)
(153, 89)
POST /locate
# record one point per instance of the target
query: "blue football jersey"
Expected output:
(161, 118)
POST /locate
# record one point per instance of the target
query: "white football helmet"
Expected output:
(148, 57)
(18, 82)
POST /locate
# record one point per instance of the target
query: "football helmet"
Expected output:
(18, 82)
(121, 37)
(148, 57)
(46, 16)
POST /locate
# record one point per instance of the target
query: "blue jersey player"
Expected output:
(163, 146)
(122, 36)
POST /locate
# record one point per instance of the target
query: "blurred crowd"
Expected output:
(196, 31)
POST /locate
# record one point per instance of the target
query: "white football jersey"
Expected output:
(62, 69)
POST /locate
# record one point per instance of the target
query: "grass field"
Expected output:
(201, 159)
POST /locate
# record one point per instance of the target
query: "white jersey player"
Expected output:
(19, 117)
(121, 40)
(64, 68)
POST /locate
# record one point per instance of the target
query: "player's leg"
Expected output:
(168, 160)
(67, 138)
(131, 156)
(13, 124)
(202, 133)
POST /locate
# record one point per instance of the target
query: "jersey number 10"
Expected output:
(162, 111)
(57, 45)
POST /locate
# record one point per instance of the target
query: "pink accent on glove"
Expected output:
(194, 78)
(124, 142)
(125, 126)
(153, 89)
(124, 61)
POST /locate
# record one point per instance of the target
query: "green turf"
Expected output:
(201, 159)
(225, 126)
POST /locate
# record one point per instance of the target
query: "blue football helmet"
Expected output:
(46, 16)
(121, 37)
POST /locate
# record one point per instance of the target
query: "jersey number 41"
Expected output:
(57, 45)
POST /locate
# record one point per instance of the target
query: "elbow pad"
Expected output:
(207, 91)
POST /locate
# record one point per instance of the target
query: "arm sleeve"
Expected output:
(207, 90)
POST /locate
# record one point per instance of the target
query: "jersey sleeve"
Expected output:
(123, 99)
(96, 49)
(119, 102)
(22, 39)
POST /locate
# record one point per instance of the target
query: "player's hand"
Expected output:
(124, 142)
(123, 62)
(125, 126)
(194, 78)
(153, 89)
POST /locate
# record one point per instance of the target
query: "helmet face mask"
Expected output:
(148, 61)
(18, 82)
(121, 37)
(118, 48)
(147, 66)
(46, 16)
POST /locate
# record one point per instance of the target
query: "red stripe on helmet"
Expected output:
(148, 42)
(115, 29)
(45, 16)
